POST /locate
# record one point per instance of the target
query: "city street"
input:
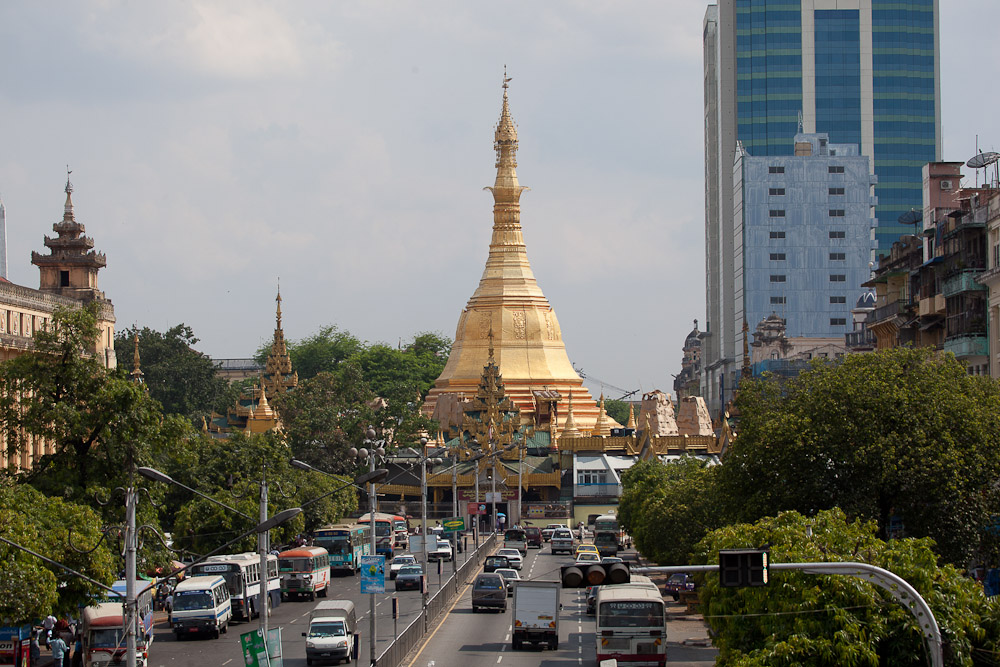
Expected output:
(293, 618)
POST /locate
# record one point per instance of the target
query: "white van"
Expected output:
(332, 626)
(201, 606)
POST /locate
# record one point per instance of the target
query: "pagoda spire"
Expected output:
(278, 375)
(569, 428)
(631, 418)
(136, 371)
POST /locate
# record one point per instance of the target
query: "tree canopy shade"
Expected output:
(30, 588)
(899, 434)
(669, 507)
(182, 379)
(617, 410)
(804, 619)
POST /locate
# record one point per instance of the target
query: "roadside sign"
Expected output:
(254, 653)
(372, 574)
(453, 525)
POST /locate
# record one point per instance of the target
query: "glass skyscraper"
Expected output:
(864, 72)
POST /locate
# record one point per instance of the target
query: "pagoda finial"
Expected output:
(569, 428)
(136, 371)
(278, 301)
(505, 141)
(631, 418)
(68, 207)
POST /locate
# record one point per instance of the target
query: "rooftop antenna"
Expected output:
(911, 217)
(983, 161)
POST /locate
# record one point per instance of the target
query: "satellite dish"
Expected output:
(982, 160)
(911, 217)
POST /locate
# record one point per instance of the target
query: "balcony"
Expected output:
(971, 345)
(863, 339)
(932, 305)
(888, 311)
(963, 281)
(597, 490)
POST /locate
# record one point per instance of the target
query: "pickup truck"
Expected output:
(438, 548)
(536, 614)
(332, 626)
(562, 540)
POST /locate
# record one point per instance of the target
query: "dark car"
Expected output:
(534, 535)
(489, 591)
(677, 583)
(591, 600)
(494, 563)
(408, 578)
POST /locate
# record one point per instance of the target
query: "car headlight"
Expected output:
(310, 644)
(307, 577)
(342, 644)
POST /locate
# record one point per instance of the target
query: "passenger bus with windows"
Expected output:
(242, 575)
(305, 572)
(401, 529)
(631, 625)
(103, 628)
(608, 532)
(384, 532)
(346, 543)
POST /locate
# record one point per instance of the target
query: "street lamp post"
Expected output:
(423, 499)
(520, 485)
(370, 441)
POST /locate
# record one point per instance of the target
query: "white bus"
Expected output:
(201, 606)
(242, 575)
(631, 625)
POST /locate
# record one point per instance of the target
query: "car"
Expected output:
(534, 535)
(489, 591)
(588, 548)
(493, 563)
(562, 540)
(608, 560)
(399, 562)
(409, 578)
(509, 575)
(443, 551)
(592, 600)
(551, 528)
(587, 558)
(513, 556)
(676, 584)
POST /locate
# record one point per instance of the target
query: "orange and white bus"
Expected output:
(305, 572)
(631, 625)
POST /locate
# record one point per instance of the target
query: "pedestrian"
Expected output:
(48, 624)
(34, 650)
(59, 649)
(168, 604)
(78, 652)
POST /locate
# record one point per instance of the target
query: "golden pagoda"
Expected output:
(529, 348)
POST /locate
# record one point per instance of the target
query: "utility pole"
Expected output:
(371, 513)
(131, 544)
(262, 545)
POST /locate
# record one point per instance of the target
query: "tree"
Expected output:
(617, 410)
(900, 433)
(31, 588)
(669, 507)
(182, 379)
(803, 619)
(324, 351)
(62, 394)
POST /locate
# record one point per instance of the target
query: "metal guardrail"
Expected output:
(401, 646)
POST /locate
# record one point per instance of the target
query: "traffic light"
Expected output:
(743, 567)
(596, 574)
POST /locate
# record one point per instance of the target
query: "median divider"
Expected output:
(394, 654)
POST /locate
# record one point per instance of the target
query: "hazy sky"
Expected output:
(343, 147)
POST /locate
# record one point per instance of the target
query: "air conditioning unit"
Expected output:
(946, 185)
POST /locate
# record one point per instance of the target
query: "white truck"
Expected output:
(536, 614)
(438, 548)
(332, 627)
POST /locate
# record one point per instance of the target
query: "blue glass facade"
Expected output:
(838, 74)
(903, 82)
(768, 74)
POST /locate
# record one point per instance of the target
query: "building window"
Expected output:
(838, 299)
(777, 300)
(836, 191)
(838, 321)
(836, 213)
(777, 256)
(776, 192)
(777, 235)
(837, 278)
(838, 235)
(777, 213)
(836, 169)
(838, 256)
(64, 279)
(777, 278)
(775, 170)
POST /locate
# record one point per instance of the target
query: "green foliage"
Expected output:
(617, 410)
(668, 507)
(182, 379)
(803, 619)
(322, 352)
(31, 588)
(900, 432)
(230, 471)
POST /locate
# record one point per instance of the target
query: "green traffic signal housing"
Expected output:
(743, 567)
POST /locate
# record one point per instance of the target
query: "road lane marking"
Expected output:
(227, 662)
(499, 658)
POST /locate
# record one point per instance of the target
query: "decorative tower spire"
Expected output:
(631, 418)
(569, 428)
(136, 371)
(3, 240)
(603, 427)
(278, 375)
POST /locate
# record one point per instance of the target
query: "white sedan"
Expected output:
(513, 557)
(510, 576)
(399, 562)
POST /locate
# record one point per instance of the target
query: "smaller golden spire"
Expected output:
(602, 428)
(569, 428)
(631, 418)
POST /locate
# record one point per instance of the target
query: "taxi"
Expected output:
(587, 548)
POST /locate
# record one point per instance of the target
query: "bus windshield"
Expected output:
(110, 638)
(383, 528)
(189, 600)
(336, 546)
(630, 614)
(295, 565)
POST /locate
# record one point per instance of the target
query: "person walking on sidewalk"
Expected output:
(59, 649)
(34, 650)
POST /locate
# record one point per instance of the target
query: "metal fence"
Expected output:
(397, 651)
